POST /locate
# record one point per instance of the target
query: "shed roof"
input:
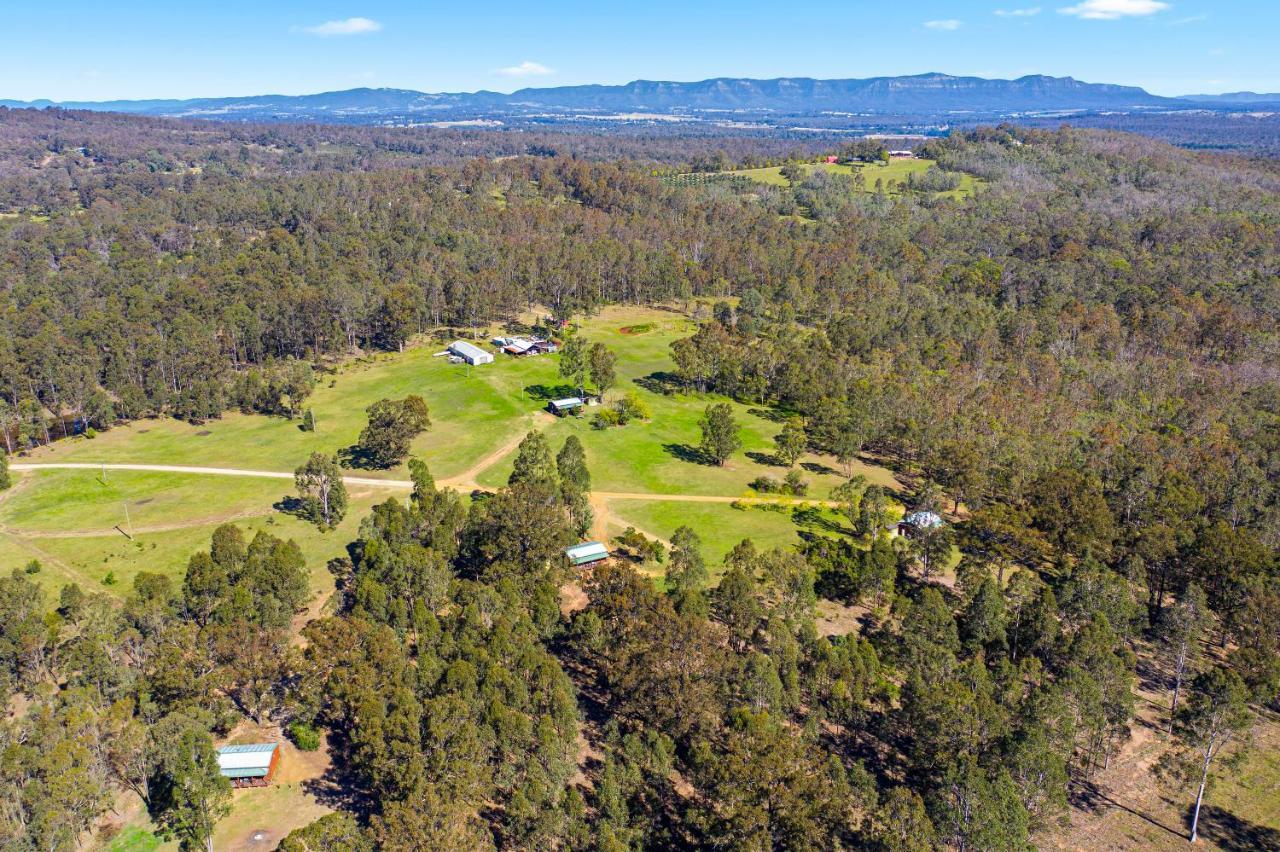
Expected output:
(567, 402)
(588, 551)
(246, 761)
(462, 347)
(923, 520)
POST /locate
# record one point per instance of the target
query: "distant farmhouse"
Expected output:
(249, 765)
(918, 522)
(470, 353)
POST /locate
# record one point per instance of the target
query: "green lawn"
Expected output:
(65, 500)
(895, 172)
(654, 456)
(39, 517)
(719, 525)
(472, 410)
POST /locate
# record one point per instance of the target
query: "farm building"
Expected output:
(902, 154)
(528, 346)
(249, 765)
(470, 353)
(918, 522)
(568, 405)
(586, 553)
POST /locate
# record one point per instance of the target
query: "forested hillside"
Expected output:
(1077, 366)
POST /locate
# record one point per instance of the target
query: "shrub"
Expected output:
(33, 567)
(304, 736)
(631, 407)
(605, 418)
(795, 484)
(765, 485)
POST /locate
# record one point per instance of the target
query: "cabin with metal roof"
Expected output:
(252, 765)
(918, 522)
(586, 553)
(568, 405)
(470, 353)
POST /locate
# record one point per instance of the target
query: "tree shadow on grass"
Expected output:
(661, 382)
(767, 459)
(1232, 832)
(289, 505)
(812, 518)
(356, 457)
(545, 393)
(771, 414)
(819, 469)
(691, 454)
(1087, 795)
(338, 788)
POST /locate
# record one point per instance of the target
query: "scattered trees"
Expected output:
(321, 491)
(1215, 714)
(601, 364)
(720, 438)
(792, 442)
(393, 424)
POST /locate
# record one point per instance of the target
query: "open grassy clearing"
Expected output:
(891, 174)
(66, 518)
(62, 501)
(472, 411)
(719, 525)
(40, 515)
(660, 456)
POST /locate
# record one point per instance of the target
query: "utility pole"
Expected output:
(128, 521)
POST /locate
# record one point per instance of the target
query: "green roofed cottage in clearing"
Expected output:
(586, 553)
(249, 765)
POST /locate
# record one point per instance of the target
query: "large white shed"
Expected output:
(470, 353)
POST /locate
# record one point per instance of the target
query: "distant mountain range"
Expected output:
(1236, 99)
(923, 94)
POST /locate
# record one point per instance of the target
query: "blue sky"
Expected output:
(145, 49)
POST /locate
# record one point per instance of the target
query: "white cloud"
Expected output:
(1110, 10)
(524, 69)
(346, 27)
(947, 25)
(1018, 13)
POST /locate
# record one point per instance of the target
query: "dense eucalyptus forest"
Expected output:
(1079, 362)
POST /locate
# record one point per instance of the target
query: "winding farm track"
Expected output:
(463, 480)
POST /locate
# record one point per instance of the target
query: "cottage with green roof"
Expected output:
(249, 765)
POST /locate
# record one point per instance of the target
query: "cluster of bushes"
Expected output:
(793, 483)
(621, 412)
(640, 546)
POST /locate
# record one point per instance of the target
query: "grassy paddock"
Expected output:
(893, 173)
(65, 518)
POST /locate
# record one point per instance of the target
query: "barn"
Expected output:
(470, 353)
(251, 765)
